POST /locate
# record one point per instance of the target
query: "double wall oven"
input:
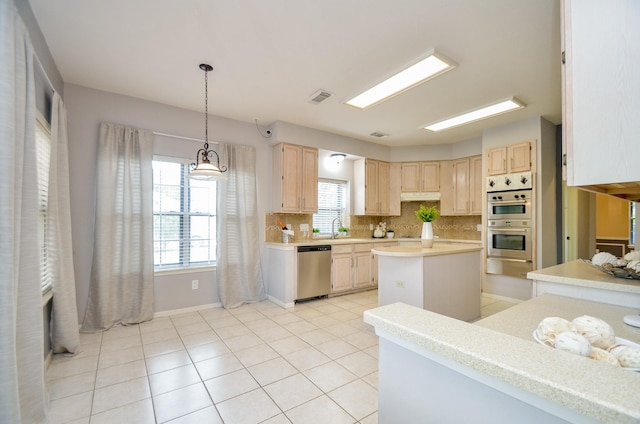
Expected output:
(509, 229)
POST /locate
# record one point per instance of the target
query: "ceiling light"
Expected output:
(206, 170)
(431, 66)
(475, 115)
(337, 158)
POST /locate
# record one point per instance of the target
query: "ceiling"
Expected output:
(269, 57)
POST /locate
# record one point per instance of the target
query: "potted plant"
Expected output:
(426, 215)
(343, 230)
(316, 232)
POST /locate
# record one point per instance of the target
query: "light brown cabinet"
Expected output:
(508, 159)
(461, 186)
(295, 178)
(351, 267)
(372, 187)
(420, 177)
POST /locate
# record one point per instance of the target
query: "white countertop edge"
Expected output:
(578, 273)
(416, 251)
(586, 387)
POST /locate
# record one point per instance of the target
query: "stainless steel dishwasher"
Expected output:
(314, 271)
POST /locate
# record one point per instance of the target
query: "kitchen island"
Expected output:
(580, 280)
(436, 369)
(445, 278)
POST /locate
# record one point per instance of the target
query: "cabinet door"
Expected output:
(384, 186)
(461, 186)
(497, 161)
(371, 187)
(446, 187)
(430, 176)
(519, 156)
(290, 178)
(362, 269)
(476, 187)
(309, 184)
(410, 177)
(341, 272)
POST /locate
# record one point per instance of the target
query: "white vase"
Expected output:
(427, 234)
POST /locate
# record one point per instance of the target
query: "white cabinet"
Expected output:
(508, 159)
(372, 187)
(601, 93)
(419, 177)
(374, 260)
(295, 178)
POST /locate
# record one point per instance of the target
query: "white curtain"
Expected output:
(64, 314)
(238, 270)
(22, 395)
(121, 290)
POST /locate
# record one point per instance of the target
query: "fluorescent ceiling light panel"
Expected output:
(475, 115)
(431, 66)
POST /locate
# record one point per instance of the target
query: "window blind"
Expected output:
(331, 204)
(184, 217)
(43, 159)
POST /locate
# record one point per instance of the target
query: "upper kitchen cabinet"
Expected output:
(420, 177)
(601, 95)
(467, 186)
(295, 178)
(508, 159)
(372, 187)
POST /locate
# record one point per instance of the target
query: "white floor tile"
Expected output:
(207, 415)
(70, 408)
(71, 366)
(252, 407)
(159, 335)
(336, 348)
(273, 370)
(306, 358)
(220, 365)
(207, 351)
(173, 379)
(121, 343)
(181, 402)
(359, 363)
(117, 357)
(197, 339)
(288, 345)
(140, 412)
(330, 376)
(120, 373)
(230, 385)
(160, 348)
(68, 386)
(120, 394)
(321, 410)
(256, 354)
(167, 361)
(292, 391)
(357, 398)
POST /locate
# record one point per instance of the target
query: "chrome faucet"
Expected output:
(334, 233)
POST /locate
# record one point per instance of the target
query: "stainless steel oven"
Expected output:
(509, 247)
(515, 204)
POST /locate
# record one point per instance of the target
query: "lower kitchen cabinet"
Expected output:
(341, 268)
(362, 266)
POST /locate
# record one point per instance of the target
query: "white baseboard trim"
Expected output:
(186, 310)
(280, 303)
(505, 298)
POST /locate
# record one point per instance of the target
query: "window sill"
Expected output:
(186, 270)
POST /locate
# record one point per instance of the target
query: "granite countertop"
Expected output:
(579, 273)
(330, 241)
(502, 347)
(410, 250)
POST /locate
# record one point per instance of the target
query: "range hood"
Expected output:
(420, 197)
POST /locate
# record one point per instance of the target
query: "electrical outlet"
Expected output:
(401, 284)
(371, 227)
(194, 284)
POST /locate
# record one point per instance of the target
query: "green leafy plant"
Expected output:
(343, 229)
(427, 214)
(316, 230)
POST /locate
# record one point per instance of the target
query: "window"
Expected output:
(184, 217)
(331, 204)
(43, 159)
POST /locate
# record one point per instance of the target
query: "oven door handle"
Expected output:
(496, 229)
(511, 202)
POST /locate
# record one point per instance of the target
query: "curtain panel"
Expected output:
(238, 267)
(121, 287)
(22, 393)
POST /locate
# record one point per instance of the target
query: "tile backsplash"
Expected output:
(405, 225)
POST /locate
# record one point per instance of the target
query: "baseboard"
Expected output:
(280, 303)
(187, 310)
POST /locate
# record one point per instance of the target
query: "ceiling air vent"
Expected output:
(319, 97)
(379, 134)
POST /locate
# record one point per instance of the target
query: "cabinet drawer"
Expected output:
(362, 247)
(342, 248)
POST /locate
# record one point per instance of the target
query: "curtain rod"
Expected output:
(182, 137)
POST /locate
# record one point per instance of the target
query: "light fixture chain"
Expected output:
(206, 110)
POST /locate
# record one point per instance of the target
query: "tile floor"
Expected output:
(260, 363)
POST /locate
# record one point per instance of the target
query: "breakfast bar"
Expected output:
(444, 278)
(436, 369)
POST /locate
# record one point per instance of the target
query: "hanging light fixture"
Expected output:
(204, 168)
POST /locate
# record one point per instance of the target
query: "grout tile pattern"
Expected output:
(314, 363)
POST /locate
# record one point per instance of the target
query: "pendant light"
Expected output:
(205, 169)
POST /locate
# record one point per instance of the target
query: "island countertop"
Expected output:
(410, 250)
(502, 347)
